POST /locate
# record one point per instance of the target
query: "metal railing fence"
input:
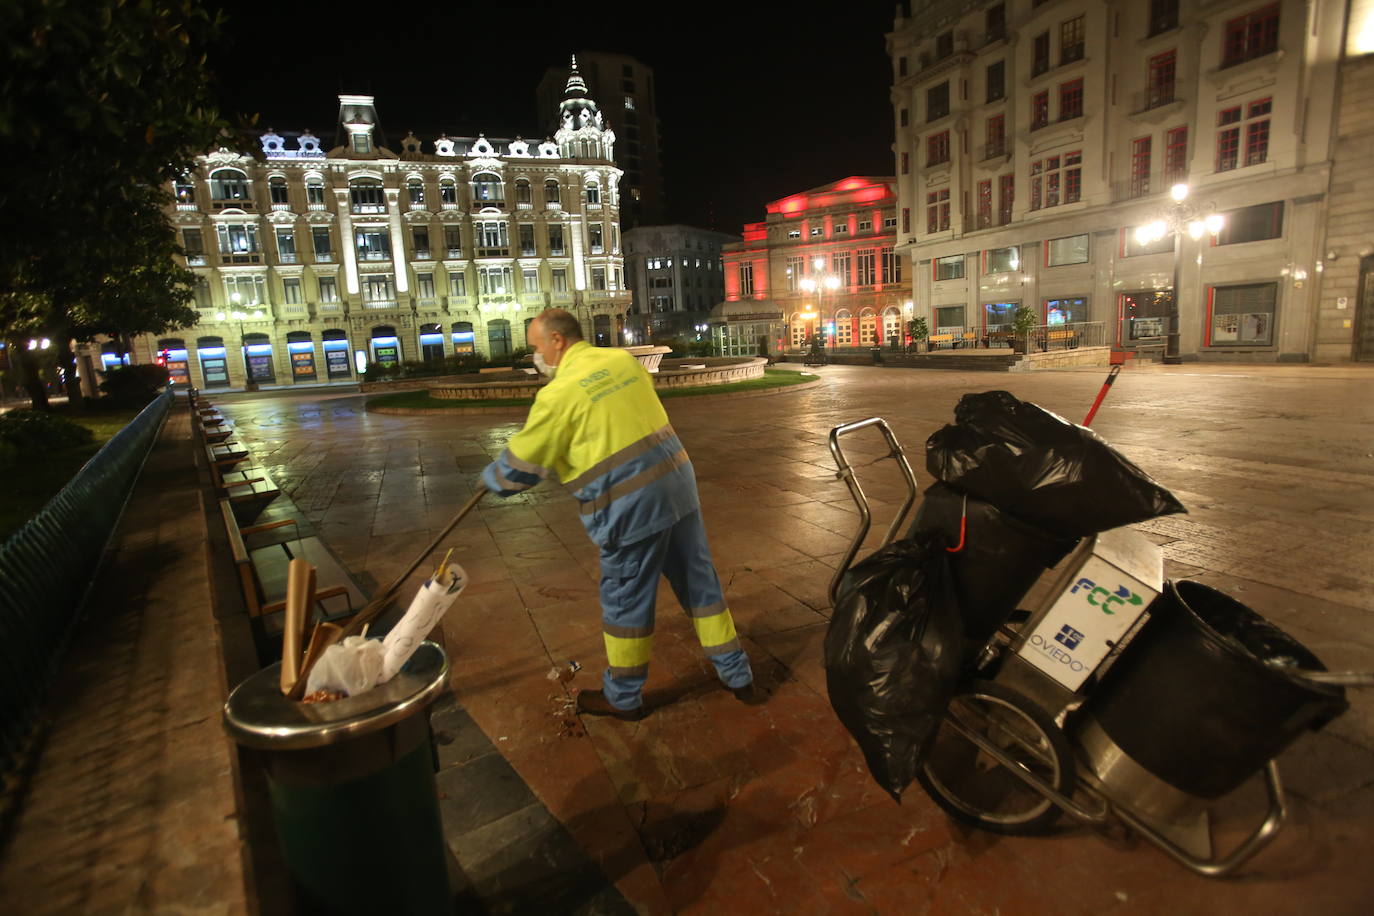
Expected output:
(46, 569)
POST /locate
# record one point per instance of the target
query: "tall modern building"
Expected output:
(311, 262)
(823, 263)
(1035, 137)
(676, 277)
(626, 89)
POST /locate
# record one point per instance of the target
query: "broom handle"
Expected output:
(374, 607)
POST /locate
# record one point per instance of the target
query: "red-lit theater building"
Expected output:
(821, 263)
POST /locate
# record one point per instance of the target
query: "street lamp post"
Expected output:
(816, 284)
(250, 383)
(1181, 215)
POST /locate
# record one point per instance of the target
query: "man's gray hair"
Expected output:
(561, 321)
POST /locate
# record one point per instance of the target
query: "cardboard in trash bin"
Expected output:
(1104, 596)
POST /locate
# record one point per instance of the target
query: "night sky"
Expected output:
(755, 101)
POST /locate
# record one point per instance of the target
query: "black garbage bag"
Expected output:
(892, 656)
(1000, 559)
(1041, 468)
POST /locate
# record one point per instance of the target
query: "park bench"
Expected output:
(953, 339)
(1067, 336)
(222, 457)
(248, 492)
(262, 574)
(997, 339)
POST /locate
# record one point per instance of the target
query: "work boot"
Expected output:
(594, 703)
(749, 694)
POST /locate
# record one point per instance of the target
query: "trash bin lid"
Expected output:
(257, 715)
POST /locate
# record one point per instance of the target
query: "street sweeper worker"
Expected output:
(599, 427)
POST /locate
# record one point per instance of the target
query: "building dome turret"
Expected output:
(582, 133)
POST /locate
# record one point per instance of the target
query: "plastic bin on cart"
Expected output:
(352, 789)
(1206, 694)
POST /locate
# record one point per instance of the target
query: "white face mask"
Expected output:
(543, 367)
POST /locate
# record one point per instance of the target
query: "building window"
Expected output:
(593, 194)
(1242, 316)
(424, 286)
(890, 221)
(245, 291)
(487, 187)
(1252, 224)
(1006, 194)
(1071, 100)
(598, 278)
(1176, 156)
(415, 193)
(551, 192)
(329, 289)
(892, 267)
(419, 238)
(794, 233)
(866, 225)
(378, 288)
(453, 241)
(1040, 109)
(1140, 166)
(291, 290)
(184, 189)
(1132, 247)
(361, 143)
(529, 279)
(906, 219)
(522, 192)
(1072, 249)
(448, 191)
(817, 231)
(901, 66)
(997, 22)
(984, 219)
(276, 189)
(1071, 41)
(1065, 311)
(193, 245)
(1257, 131)
(314, 192)
(746, 279)
(558, 279)
(906, 163)
(1163, 15)
(527, 240)
(937, 149)
(937, 102)
(937, 211)
(904, 117)
(493, 239)
(324, 247)
(367, 196)
(1062, 180)
(1256, 124)
(457, 283)
(796, 269)
(555, 240)
(950, 268)
(1040, 53)
(949, 317)
(286, 246)
(866, 265)
(997, 81)
(839, 266)
(373, 244)
(1159, 89)
(495, 281)
(629, 103)
(1252, 35)
(944, 45)
(1001, 260)
(840, 228)
(996, 136)
(594, 236)
(238, 241)
(229, 184)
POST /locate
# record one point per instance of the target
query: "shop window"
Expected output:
(1145, 315)
(1065, 311)
(1132, 247)
(1001, 260)
(950, 268)
(949, 317)
(1242, 316)
(1072, 249)
(1252, 224)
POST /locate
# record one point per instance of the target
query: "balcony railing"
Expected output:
(454, 253)
(240, 203)
(995, 150)
(449, 205)
(380, 304)
(281, 206)
(241, 257)
(324, 257)
(287, 257)
(374, 256)
(493, 252)
(321, 205)
(1154, 97)
(422, 254)
(195, 260)
(369, 208)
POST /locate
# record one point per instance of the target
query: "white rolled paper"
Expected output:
(431, 601)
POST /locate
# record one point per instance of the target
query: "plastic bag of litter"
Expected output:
(1042, 468)
(892, 655)
(348, 667)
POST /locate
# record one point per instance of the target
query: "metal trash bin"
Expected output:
(352, 789)
(877, 353)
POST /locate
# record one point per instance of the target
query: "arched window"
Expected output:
(367, 195)
(593, 193)
(276, 187)
(892, 325)
(551, 192)
(448, 192)
(431, 343)
(868, 328)
(314, 192)
(229, 184)
(184, 189)
(415, 192)
(462, 336)
(522, 191)
(844, 328)
(486, 186)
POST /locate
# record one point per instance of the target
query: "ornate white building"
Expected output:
(311, 262)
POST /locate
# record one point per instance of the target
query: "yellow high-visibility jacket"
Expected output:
(599, 427)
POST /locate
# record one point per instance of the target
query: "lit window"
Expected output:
(1241, 316)
(629, 103)
(487, 187)
(1071, 249)
(1071, 41)
(1252, 35)
(1255, 116)
(950, 268)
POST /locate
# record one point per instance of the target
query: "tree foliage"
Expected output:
(102, 103)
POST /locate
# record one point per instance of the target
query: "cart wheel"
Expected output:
(973, 787)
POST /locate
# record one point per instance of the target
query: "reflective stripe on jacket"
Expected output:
(599, 427)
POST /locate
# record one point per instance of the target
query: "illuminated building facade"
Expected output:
(1034, 136)
(676, 276)
(312, 261)
(824, 262)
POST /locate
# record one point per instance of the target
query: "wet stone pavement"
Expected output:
(710, 806)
